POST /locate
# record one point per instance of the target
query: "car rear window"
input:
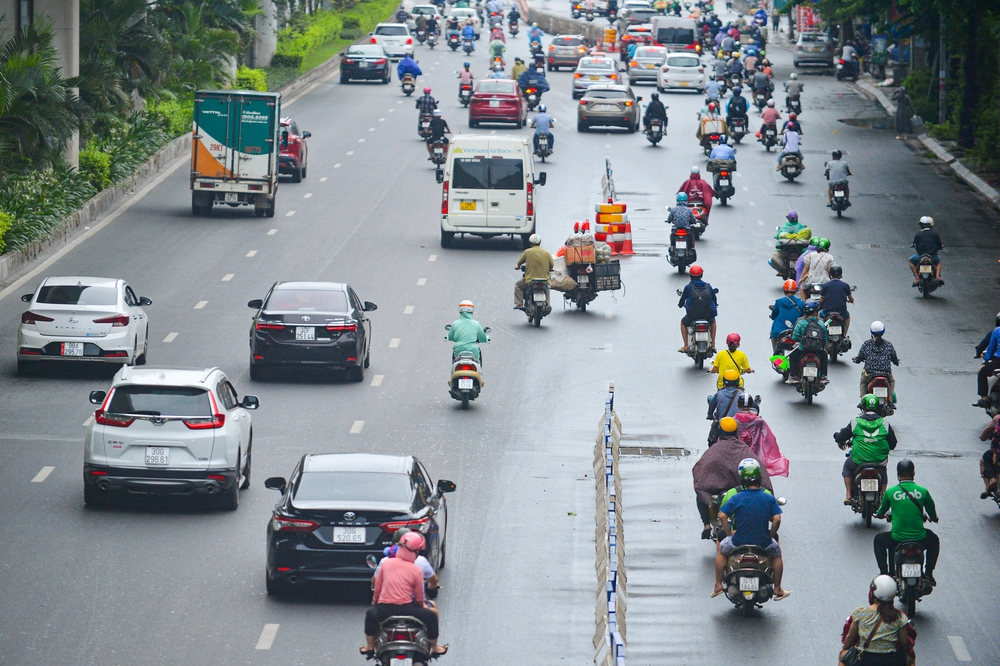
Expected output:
(495, 86)
(567, 41)
(481, 173)
(641, 15)
(306, 300)
(606, 94)
(675, 36)
(367, 50)
(650, 52)
(77, 295)
(683, 61)
(353, 487)
(428, 9)
(595, 63)
(160, 401)
(813, 37)
(391, 30)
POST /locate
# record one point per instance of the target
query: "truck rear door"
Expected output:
(212, 156)
(255, 133)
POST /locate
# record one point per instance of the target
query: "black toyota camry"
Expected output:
(310, 324)
(365, 61)
(337, 509)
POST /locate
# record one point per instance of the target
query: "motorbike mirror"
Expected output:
(276, 483)
(679, 292)
(447, 327)
(371, 562)
(486, 330)
(97, 397)
(854, 287)
(782, 501)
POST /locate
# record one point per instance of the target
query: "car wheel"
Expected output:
(524, 123)
(274, 587)
(473, 124)
(525, 241)
(444, 555)
(356, 374)
(580, 127)
(447, 237)
(270, 211)
(256, 371)
(259, 212)
(633, 127)
(795, 63)
(145, 349)
(231, 501)
(94, 497)
(304, 169)
(246, 465)
(368, 359)
(297, 176)
(343, 79)
(550, 67)
(26, 368)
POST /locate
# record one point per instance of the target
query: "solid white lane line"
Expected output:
(42, 474)
(433, 257)
(350, 152)
(337, 165)
(88, 421)
(272, 232)
(200, 305)
(608, 348)
(356, 428)
(323, 179)
(377, 380)
(408, 309)
(228, 276)
(44, 266)
(958, 646)
(290, 213)
(252, 253)
(307, 195)
(421, 282)
(394, 343)
(171, 336)
(267, 635)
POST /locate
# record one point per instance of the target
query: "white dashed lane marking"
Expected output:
(290, 213)
(377, 380)
(750, 203)
(200, 305)
(350, 152)
(421, 282)
(272, 232)
(371, 129)
(408, 309)
(608, 314)
(42, 474)
(361, 140)
(746, 189)
(356, 428)
(958, 646)
(267, 635)
(382, 120)
(337, 165)
(433, 257)
(228, 276)
(171, 336)
(394, 343)
(252, 253)
(323, 179)
(307, 195)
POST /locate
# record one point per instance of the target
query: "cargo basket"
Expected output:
(607, 277)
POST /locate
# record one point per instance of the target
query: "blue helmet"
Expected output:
(682, 197)
(812, 307)
(737, 90)
(466, 64)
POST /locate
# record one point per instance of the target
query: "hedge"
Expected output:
(6, 222)
(251, 79)
(177, 115)
(323, 27)
(95, 166)
(39, 200)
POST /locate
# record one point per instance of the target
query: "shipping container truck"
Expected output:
(234, 150)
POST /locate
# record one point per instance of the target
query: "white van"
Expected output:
(676, 33)
(489, 184)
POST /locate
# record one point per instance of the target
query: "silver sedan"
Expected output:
(645, 64)
(597, 70)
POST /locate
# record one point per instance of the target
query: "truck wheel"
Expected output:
(269, 212)
(297, 176)
(304, 169)
(259, 212)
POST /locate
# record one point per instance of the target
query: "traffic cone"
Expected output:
(627, 242)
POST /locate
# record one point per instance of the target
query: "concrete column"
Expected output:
(266, 26)
(64, 15)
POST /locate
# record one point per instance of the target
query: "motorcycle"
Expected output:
(454, 41)
(699, 340)
(724, 185)
(513, 28)
(432, 40)
(536, 301)
(791, 249)
(711, 142)
(836, 343)
(533, 97)
(465, 94)
(868, 488)
(438, 157)
(589, 16)
(655, 131)
(809, 383)
(769, 137)
(700, 217)
(535, 47)
(791, 166)
(544, 149)
(425, 126)
(421, 36)
(925, 270)
(910, 581)
(793, 104)
(738, 129)
(679, 254)
(576, 11)
(748, 578)
(407, 84)
(497, 60)
(840, 200)
(847, 70)
(466, 376)
(468, 46)
(401, 639)
(878, 386)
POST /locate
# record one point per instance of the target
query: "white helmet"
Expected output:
(883, 588)
(877, 328)
(535, 239)
(927, 221)
(770, 103)
(695, 170)
(542, 108)
(793, 76)
(466, 306)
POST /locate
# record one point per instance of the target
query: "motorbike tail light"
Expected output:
(342, 327)
(402, 634)
(749, 559)
(840, 62)
(529, 206)
(470, 368)
(444, 198)
(911, 551)
(281, 523)
(419, 524)
(701, 327)
(682, 233)
(869, 474)
(117, 320)
(30, 317)
(270, 326)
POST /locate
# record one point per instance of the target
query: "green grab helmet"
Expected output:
(823, 244)
(814, 241)
(749, 471)
(869, 403)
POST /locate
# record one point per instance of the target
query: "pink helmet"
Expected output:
(427, 91)
(733, 339)
(413, 541)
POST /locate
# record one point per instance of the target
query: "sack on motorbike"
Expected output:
(561, 282)
(602, 252)
(720, 165)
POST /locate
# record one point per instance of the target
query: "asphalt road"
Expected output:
(169, 582)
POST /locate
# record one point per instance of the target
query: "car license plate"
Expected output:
(835, 330)
(157, 455)
(465, 383)
(363, 64)
(680, 245)
(926, 270)
(538, 297)
(724, 181)
(305, 333)
(869, 485)
(232, 197)
(683, 84)
(881, 391)
(749, 584)
(595, 78)
(494, 103)
(810, 371)
(583, 279)
(650, 65)
(603, 107)
(912, 570)
(401, 661)
(467, 205)
(72, 349)
(349, 535)
(815, 49)
(839, 194)
(701, 337)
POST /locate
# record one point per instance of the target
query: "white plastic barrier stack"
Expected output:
(609, 636)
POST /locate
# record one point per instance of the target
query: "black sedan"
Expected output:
(337, 509)
(365, 61)
(310, 324)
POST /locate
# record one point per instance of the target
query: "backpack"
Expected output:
(739, 105)
(701, 301)
(812, 336)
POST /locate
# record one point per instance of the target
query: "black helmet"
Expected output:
(655, 95)
(904, 468)
(836, 271)
(837, 154)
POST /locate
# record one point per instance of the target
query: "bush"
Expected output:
(251, 79)
(6, 222)
(350, 35)
(176, 116)
(39, 200)
(351, 23)
(95, 166)
(284, 60)
(323, 27)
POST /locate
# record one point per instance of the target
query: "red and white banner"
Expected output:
(807, 19)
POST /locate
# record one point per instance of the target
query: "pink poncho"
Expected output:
(755, 433)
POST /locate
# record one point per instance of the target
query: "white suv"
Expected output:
(169, 431)
(394, 38)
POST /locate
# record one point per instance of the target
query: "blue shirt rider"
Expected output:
(712, 90)
(408, 66)
(469, 33)
(723, 152)
(543, 123)
(534, 33)
(533, 78)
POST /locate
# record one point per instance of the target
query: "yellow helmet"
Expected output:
(731, 377)
(728, 424)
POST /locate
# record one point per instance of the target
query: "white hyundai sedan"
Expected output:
(681, 71)
(82, 319)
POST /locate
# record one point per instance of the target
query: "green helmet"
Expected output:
(749, 471)
(869, 403)
(398, 534)
(823, 244)
(813, 241)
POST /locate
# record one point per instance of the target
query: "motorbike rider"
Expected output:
(811, 336)
(543, 124)
(816, 268)
(792, 229)
(750, 61)
(835, 295)
(497, 72)
(848, 55)
(469, 34)
(538, 264)
(785, 312)
(710, 123)
(712, 90)
(654, 109)
(534, 34)
(422, 23)
(761, 85)
(793, 89)
(699, 300)
(731, 358)
(425, 104)
(399, 590)
(681, 217)
(879, 356)
(756, 519)
(439, 128)
(408, 66)
(927, 241)
(870, 438)
(837, 172)
(723, 156)
(431, 582)
(465, 75)
(432, 26)
(737, 108)
(513, 16)
(466, 332)
(698, 189)
(518, 69)
(496, 33)
(497, 48)
(792, 124)
(769, 116)
(452, 27)
(725, 402)
(989, 350)
(789, 146)
(989, 464)
(533, 78)
(907, 501)
(891, 645)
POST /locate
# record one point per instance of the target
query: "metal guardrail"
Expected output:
(609, 635)
(608, 186)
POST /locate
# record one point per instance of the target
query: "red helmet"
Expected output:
(696, 270)
(733, 339)
(792, 116)
(790, 286)
(427, 91)
(711, 106)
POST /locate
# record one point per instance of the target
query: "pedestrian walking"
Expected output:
(904, 112)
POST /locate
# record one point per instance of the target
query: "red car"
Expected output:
(498, 101)
(294, 156)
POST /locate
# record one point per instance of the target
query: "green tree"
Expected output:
(200, 55)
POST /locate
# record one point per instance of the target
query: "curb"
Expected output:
(963, 172)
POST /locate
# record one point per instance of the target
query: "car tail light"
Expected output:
(102, 418)
(348, 61)
(342, 327)
(583, 102)
(551, 48)
(98, 472)
(409, 40)
(373, 41)
(628, 102)
(444, 198)
(633, 64)
(577, 75)
(380, 61)
(582, 50)
(270, 326)
(29, 352)
(529, 206)
(216, 420)
(280, 523)
(613, 77)
(30, 317)
(701, 70)
(117, 320)
(116, 354)
(664, 69)
(216, 477)
(419, 524)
